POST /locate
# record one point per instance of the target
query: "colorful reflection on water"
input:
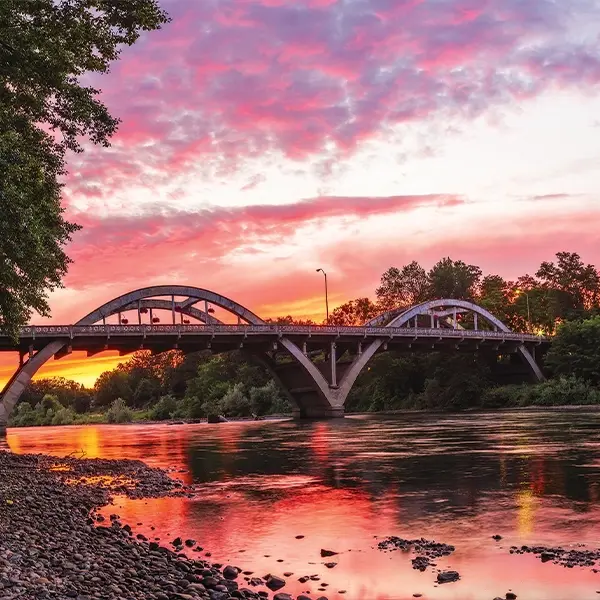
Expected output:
(532, 477)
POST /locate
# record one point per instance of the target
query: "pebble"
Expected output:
(72, 554)
(426, 550)
(448, 577)
(568, 558)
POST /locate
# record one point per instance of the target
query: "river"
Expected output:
(531, 477)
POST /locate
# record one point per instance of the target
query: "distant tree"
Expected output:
(454, 279)
(176, 376)
(289, 320)
(46, 47)
(496, 295)
(110, 386)
(575, 286)
(153, 367)
(575, 350)
(355, 312)
(402, 287)
(69, 393)
(146, 391)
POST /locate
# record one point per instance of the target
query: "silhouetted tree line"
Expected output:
(562, 298)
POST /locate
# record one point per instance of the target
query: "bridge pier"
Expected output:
(319, 412)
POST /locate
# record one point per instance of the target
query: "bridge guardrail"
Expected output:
(33, 331)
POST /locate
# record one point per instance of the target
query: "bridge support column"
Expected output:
(319, 412)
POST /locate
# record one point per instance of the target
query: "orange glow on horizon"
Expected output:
(76, 366)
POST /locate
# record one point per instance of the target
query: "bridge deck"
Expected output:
(126, 336)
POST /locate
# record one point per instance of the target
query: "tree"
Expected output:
(355, 312)
(145, 392)
(46, 46)
(110, 386)
(495, 295)
(575, 350)
(402, 287)
(69, 393)
(289, 320)
(453, 279)
(574, 286)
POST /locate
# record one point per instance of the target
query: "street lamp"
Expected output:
(519, 291)
(326, 297)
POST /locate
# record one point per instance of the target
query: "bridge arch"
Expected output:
(394, 318)
(148, 298)
(192, 294)
(141, 298)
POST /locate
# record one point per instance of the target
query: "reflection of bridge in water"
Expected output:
(316, 388)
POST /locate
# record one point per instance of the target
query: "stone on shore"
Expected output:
(274, 583)
(447, 576)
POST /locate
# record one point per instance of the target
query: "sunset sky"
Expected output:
(262, 139)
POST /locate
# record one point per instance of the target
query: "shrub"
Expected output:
(63, 416)
(119, 412)
(163, 409)
(234, 403)
(24, 416)
(267, 399)
(555, 392)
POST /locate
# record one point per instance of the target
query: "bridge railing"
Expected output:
(72, 331)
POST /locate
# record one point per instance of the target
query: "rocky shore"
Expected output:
(53, 545)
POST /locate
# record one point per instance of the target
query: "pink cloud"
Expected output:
(119, 253)
(234, 79)
(130, 248)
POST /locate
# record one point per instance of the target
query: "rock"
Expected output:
(189, 543)
(177, 542)
(275, 583)
(230, 572)
(497, 537)
(448, 576)
(330, 565)
(511, 596)
(282, 596)
(299, 537)
(325, 553)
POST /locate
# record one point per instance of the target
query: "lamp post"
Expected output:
(326, 296)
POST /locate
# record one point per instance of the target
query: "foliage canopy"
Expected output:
(46, 49)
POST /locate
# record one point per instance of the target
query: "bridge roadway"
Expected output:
(128, 338)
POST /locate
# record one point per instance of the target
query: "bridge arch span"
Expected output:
(141, 298)
(193, 295)
(394, 318)
(149, 298)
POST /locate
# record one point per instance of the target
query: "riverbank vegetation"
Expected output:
(562, 299)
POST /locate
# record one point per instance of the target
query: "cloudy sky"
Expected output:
(262, 139)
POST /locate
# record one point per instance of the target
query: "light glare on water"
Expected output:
(532, 477)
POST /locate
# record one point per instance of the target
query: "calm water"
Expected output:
(531, 477)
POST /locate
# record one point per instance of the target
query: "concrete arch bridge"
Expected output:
(316, 389)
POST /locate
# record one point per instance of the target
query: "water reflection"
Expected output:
(532, 477)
